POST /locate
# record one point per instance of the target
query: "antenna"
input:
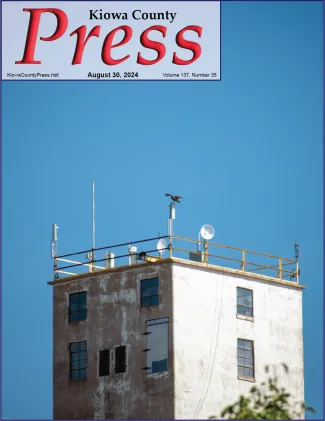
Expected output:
(170, 220)
(93, 225)
(93, 222)
(132, 252)
(109, 259)
(297, 256)
(161, 245)
(54, 240)
(207, 233)
(172, 216)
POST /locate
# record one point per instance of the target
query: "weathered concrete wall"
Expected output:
(201, 306)
(114, 318)
(206, 329)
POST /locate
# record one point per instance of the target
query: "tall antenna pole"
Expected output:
(93, 222)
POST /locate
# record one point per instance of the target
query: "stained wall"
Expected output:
(114, 318)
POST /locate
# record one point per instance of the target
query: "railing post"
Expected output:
(280, 268)
(55, 267)
(243, 260)
(206, 253)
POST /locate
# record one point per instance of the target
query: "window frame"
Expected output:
(241, 305)
(152, 295)
(108, 356)
(241, 377)
(149, 324)
(79, 310)
(71, 352)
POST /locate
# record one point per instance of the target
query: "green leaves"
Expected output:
(267, 402)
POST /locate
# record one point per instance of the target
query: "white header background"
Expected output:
(56, 56)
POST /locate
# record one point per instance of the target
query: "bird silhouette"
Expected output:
(174, 198)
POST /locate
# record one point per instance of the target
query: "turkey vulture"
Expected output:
(174, 198)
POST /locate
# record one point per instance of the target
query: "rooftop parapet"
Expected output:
(202, 253)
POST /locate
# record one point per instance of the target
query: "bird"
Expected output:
(174, 198)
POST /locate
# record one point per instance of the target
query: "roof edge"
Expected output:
(182, 262)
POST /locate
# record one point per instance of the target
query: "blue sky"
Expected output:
(246, 154)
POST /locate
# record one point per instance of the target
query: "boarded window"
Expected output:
(77, 307)
(150, 292)
(245, 358)
(245, 302)
(120, 359)
(104, 362)
(78, 360)
(157, 354)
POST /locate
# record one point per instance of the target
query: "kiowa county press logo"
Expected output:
(83, 35)
(144, 40)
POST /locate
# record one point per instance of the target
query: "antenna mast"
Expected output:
(93, 223)
(54, 240)
(170, 226)
(170, 220)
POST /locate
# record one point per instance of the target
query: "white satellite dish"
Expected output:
(161, 245)
(207, 232)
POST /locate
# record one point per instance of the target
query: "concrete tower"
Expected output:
(174, 337)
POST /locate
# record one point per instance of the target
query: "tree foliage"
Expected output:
(266, 402)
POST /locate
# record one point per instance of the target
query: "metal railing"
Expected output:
(202, 252)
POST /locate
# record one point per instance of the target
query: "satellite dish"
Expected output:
(161, 245)
(207, 232)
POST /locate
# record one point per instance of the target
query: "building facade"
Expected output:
(171, 339)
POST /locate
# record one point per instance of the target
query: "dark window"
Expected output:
(104, 362)
(77, 306)
(120, 359)
(245, 302)
(149, 292)
(78, 360)
(245, 358)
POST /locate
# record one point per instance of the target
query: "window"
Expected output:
(149, 292)
(120, 359)
(245, 358)
(104, 362)
(78, 307)
(157, 346)
(245, 302)
(78, 360)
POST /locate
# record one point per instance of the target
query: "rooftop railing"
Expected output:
(203, 252)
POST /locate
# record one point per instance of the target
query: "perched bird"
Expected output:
(174, 198)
